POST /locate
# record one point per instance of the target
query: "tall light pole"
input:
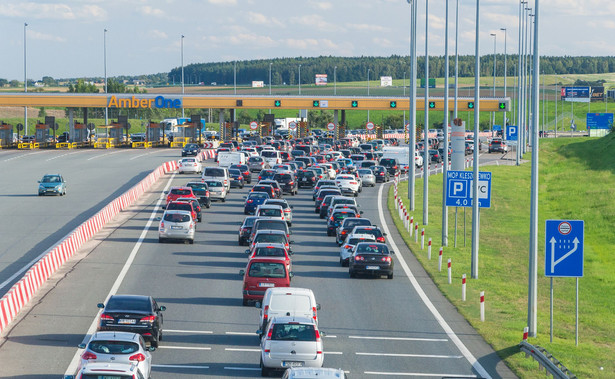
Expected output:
(412, 111)
(445, 133)
(519, 95)
(495, 37)
(456, 56)
(235, 77)
(533, 261)
(105, 68)
(182, 59)
(426, 126)
(25, 78)
(334, 80)
(475, 209)
(505, 59)
(270, 77)
(299, 79)
(368, 92)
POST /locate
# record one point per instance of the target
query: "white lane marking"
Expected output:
(330, 336)
(60, 156)
(188, 331)
(23, 155)
(243, 368)
(400, 338)
(412, 355)
(237, 349)
(333, 352)
(180, 366)
(72, 367)
(141, 155)
(417, 287)
(184, 347)
(418, 374)
(241, 333)
(104, 155)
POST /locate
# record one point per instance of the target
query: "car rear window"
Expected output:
(113, 347)
(271, 224)
(269, 154)
(282, 177)
(181, 192)
(128, 304)
(269, 251)
(373, 231)
(197, 186)
(356, 222)
(213, 171)
(214, 183)
(293, 332)
(387, 162)
(270, 238)
(290, 301)
(355, 240)
(270, 212)
(267, 270)
(255, 159)
(176, 217)
(179, 206)
(369, 248)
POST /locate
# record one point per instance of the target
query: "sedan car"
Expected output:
(367, 177)
(52, 184)
(245, 230)
(288, 209)
(253, 200)
(133, 314)
(118, 347)
(245, 170)
(381, 173)
(257, 164)
(191, 149)
(189, 165)
(237, 179)
(336, 218)
(201, 191)
(348, 184)
(371, 258)
(176, 224)
(109, 370)
(196, 205)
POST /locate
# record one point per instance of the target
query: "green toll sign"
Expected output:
(393, 104)
(502, 106)
(471, 104)
(354, 103)
(277, 103)
(315, 103)
(432, 104)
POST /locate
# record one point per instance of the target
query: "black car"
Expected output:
(391, 164)
(380, 173)
(236, 178)
(287, 181)
(133, 314)
(435, 156)
(191, 149)
(324, 206)
(245, 230)
(245, 170)
(336, 220)
(347, 225)
(201, 191)
(321, 195)
(306, 178)
(371, 258)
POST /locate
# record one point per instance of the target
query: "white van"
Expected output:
(272, 157)
(217, 173)
(287, 301)
(228, 158)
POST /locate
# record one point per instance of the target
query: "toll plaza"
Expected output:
(6, 135)
(187, 134)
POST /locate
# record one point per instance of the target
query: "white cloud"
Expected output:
(149, 11)
(261, 19)
(322, 5)
(44, 37)
(223, 2)
(158, 34)
(52, 11)
(382, 42)
(316, 21)
(368, 27)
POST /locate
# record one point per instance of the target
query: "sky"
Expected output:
(65, 38)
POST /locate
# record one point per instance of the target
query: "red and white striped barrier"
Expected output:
(463, 287)
(411, 226)
(24, 290)
(211, 144)
(416, 232)
(408, 225)
(450, 272)
(206, 154)
(482, 305)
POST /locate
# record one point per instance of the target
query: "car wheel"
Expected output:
(191, 242)
(241, 186)
(154, 343)
(200, 219)
(390, 276)
(245, 302)
(322, 216)
(161, 240)
(329, 234)
(352, 274)
(208, 204)
(224, 199)
(245, 212)
(356, 194)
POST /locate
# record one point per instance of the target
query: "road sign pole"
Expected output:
(445, 133)
(475, 224)
(426, 126)
(551, 312)
(412, 112)
(576, 322)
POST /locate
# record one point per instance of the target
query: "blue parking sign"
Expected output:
(512, 132)
(564, 240)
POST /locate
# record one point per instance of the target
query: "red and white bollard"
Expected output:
(463, 287)
(396, 202)
(422, 238)
(450, 272)
(429, 249)
(482, 305)
(404, 219)
(416, 233)
(408, 223)
(411, 227)
(440, 260)
(525, 332)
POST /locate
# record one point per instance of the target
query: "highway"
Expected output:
(374, 327)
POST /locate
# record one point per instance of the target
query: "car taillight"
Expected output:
(269, 333)
(331, 218)
(314, 314)
(265, 314)
(137, 357)
(359, 258)
(148, 319)
(87, 356)
(207, 193)
(348, 247)
(259, 177)
(380, 239)
(162, 225)
(106, 317)
(250, 201)
(357, 182)
(386, 259)
(317, 336)
(382, 173)
(291, 183)
(191, 226)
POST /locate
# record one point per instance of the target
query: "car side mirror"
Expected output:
(242, 272)
(291, 274)
(100, 305)
(317, 307)
(166, 192)
(158, 218)
(393, 252)
(291, 207)
(384, 234)
(247, 251)
(162, 308)
(291, 241)
(360, 212)
(81, 346)
(323, 334)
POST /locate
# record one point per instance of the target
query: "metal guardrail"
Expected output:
(28, 145)
(546, 360)
(141, 145)
(66, 145)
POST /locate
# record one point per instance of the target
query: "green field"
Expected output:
(577, 181)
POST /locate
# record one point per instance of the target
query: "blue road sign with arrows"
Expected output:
(564, 248)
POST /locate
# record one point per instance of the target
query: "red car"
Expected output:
(176, 192)
(271, 250)
(184, 206)
(263, 273)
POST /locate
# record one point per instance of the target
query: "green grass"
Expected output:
(577, 181)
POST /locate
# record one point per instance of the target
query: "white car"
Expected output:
(189, 165)
(288, 209)
(351, 241)
(328, 169)
(270, 211)
(348, 184)
(108, 370)
(118, 347)
(291, 342)
(176, 224)
(217, 190)
(418, 159)
(367, 177)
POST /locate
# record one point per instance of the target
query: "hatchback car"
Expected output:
(348, 225)
(291, 342)
(196, 205)
(217, 190)
(372, 259)
(245, 171)
(348, 184)
(118, 347)
(337, 217)
(287, 181)
(245, 230)
(266, 188)
(271, 250)
(191, 149)
(349, 244)
(321, 195)
(322, 183)
(187, 206)
(52, 184)
(269, 224)
(381, 174)
(109, 370)
(236, 176)
(256, 164)
(133, 314)
(263, 273)
(271, 236)
(367, 177)
(177, 225)
(276, 186)
(201, 191)
(270, 211)
(253, 200)
(176, 192)
(288, 209)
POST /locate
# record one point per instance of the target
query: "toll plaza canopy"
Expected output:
(143, 101)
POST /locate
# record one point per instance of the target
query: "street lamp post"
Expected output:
(299, 79)
(519, 81)
(334, 80)
(368, 92)
(426, 123)
(412, 110)
(270, 77)
(475, 209)
(105, 68)
(505, 59)
(445, 134)
(182, 61)
(25, 78)
(495, 37)
(235, 77)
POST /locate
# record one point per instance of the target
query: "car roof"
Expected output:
(270, 206)
(296, 319)
(115, 336)
(362, 235)
(269, 231)
(269, 244)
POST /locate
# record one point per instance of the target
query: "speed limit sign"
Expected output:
(331, 126)
(253, 125)
(369, 126)
(292, 125)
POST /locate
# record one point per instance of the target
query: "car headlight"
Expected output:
(58, 187)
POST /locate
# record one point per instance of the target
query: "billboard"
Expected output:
(321, 79)
(599, 120)
(597, 93)
(258, 84)
(576, 94)
(386, 81)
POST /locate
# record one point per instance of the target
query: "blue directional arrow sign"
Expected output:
(564, 248)
(511, 132)
(459, 189)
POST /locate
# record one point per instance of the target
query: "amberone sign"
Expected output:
(134, 102)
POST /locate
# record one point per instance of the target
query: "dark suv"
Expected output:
(306, 178)
(287, 181)
(391, 164)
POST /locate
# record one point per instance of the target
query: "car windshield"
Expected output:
(128, 304)
(369, 248)
(51, 179)
(179, 206)
(271, 224)
(267, 270)
(234, 172)
(387, 162)
(269, 251)
(113, 347)
(176, 217)
(198, 186)
(355, 222)
(191, 146)
(293, 332)
(258, 195)
(270, 238)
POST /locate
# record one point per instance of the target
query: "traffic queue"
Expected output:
(334, 173)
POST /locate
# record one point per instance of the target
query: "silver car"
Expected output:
(176, 224)
(217, 190)
(119, 347)
(288, 209)
(367, 177)
(256, 164)
(351, 241)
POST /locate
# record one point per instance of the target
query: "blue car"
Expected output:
(253, 200)
(52, 184)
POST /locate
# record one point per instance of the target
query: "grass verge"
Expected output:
(577, 181)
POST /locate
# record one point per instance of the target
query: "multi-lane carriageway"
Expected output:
(375, 328)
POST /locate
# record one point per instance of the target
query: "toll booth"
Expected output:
(303, 129)
(153, 133)
(108, 136)
(42, 133)
(379, 132)
(81, 134)
(227, 131)
(187, 135)
(265, 129)
(6, 135)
